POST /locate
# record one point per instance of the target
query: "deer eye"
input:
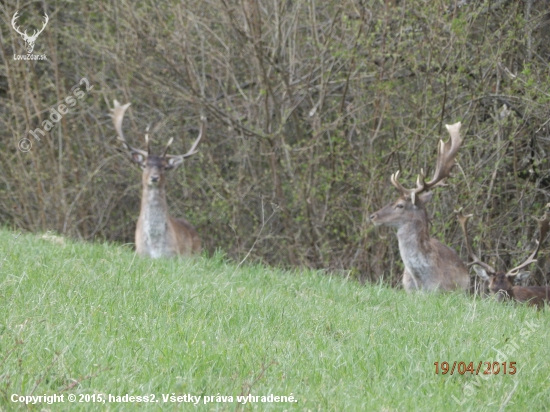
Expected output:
(399, 206)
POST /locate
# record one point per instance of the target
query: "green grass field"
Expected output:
(95, 320)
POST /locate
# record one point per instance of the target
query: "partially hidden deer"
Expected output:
(502, 284)
(429, 264)
(157, 233)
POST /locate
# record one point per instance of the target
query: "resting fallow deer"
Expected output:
(429, 264)
(157, 233)
(502, 284)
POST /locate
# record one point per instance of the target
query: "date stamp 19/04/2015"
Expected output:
(485, 368)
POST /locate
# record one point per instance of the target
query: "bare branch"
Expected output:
(445, 161)
(543, 231)
(463, 220)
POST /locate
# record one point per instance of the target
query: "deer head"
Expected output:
(153, 166)
(29, 40)
(500, 283)
(410, 205)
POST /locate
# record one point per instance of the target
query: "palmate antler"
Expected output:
(544, 225)
(30, 40)
(193, 149)
(118, 115)
(543, 231)
(445, 161)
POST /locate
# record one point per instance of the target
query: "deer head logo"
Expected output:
(30, 40)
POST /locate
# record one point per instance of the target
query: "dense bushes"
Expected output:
(311, 107)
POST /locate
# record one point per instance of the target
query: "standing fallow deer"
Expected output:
(157, 233)
(502, 284)
(429, 264)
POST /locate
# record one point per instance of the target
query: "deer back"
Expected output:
(532, 295)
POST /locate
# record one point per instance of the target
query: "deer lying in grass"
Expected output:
(429, 265)
(502, 284)
(157, 233)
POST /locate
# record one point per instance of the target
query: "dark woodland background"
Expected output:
(311, 106)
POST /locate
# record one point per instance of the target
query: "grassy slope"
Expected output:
(96, 319)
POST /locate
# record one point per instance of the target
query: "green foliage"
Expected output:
(310, 109)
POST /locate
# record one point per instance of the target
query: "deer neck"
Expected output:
(154, 219)
(415, 247)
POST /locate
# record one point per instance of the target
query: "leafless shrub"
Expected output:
(311, 106)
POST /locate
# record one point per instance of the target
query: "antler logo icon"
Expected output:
(30, 40)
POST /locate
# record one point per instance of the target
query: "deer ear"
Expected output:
(520, 276)
(138, 158)
(481, 273)
(174, 162)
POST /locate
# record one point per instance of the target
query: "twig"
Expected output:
(248, 386)
(54, 360)
(508, 397)
(264, 222)
(78, 381)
